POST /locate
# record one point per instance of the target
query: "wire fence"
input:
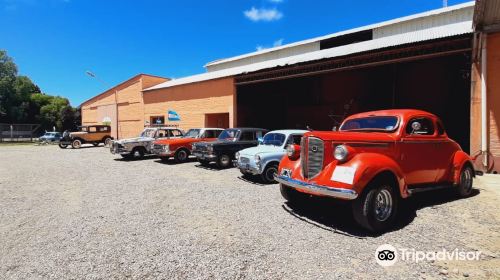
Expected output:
(19, 132)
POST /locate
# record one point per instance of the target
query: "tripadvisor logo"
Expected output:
(387, 255)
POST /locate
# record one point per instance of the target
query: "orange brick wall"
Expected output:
(192, 102)
(493, 91)
(130, 106)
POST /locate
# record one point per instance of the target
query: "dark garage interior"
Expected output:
(440, 85)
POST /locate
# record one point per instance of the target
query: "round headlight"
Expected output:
(237, 155)
(210, 148)
(257, 158)
(340, 153)
(166, 147)
(290, 150)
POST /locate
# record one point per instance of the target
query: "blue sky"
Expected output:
(55, 41)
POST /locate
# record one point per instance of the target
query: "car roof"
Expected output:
(289, 131)
(249, 128)
(403, 113)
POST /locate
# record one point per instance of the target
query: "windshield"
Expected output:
(385, 123)
(274, 139)
(192, 133)
(148, 133)
(229, 134)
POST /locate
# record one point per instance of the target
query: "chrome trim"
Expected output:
(317, 189)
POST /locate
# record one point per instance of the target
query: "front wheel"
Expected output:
(137, 153)
(223, 161)
(181, 156)
(63, 146)
(465, 185)
(377, 207)
(76, 144)
(269, 172)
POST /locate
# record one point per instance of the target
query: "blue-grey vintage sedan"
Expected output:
(263, 160)
(50, 137)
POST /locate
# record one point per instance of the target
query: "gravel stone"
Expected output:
(87, 214)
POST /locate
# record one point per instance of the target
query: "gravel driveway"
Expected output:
(88, 214)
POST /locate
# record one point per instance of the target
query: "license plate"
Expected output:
(286, 172)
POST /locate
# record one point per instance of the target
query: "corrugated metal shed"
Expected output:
(438, 17)
(487, 15)
(448, 30)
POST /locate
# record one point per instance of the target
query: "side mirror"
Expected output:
(261, 140)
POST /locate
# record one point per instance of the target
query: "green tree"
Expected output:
(21, 101)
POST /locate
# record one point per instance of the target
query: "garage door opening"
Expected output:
(218, 120)
(440, 85)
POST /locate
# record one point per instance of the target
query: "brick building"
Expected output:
(429, 61)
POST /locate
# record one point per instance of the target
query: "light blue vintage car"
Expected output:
(263, 160)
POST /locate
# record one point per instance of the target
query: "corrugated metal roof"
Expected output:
(487, 13)
(459, 28)
(358, 29)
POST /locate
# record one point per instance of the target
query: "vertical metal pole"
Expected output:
(484, 103)
(117, 121)
(11, 133)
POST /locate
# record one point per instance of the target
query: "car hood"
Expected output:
(176, 141)
(261, 149)
(353, 136)
(135, 140)
(216, 142)
(77, 133)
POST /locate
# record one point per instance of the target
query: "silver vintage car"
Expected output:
(142, 145)
(263, 160)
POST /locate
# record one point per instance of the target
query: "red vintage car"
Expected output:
(181, 148)
(376, 160)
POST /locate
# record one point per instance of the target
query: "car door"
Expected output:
(247, 139)
(210, 135)
(445, 149)
(417, 149)
(92, 135)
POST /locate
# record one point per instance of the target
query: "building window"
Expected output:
(157, 120)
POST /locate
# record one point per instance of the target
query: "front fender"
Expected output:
(366, 165)
(370, 165)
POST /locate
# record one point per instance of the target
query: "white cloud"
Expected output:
(276, 43)
(263, 14)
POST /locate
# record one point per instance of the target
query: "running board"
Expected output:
(427, 188)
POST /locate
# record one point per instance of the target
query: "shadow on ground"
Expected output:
(255, 180)
(171, 161)
(135, 159)
(336, 216)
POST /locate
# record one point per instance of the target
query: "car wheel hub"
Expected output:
(383, 205)
(467, 180)
(182, 155)
(270, 173)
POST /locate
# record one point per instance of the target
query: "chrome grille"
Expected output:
(244, 160)
(312, 163)
(158, 147)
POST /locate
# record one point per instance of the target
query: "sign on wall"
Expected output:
(173, 116)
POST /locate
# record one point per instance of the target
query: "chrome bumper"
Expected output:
(204, 156)
(317, 189)
(246, 167)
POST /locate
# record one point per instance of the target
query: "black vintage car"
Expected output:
(230, 141)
